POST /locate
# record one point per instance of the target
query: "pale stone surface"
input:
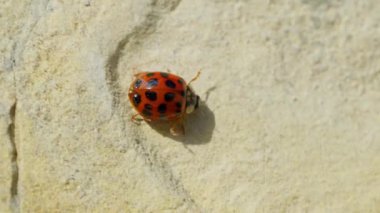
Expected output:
(291, 120)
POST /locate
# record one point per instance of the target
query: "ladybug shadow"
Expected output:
(199, 127)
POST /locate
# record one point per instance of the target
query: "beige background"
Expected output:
(290, 121)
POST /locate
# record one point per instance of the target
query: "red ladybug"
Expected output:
(163, 96)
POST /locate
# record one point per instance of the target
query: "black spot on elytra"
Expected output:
(151, 95)
(152, 83)
(180, 81)
(138, 83)
(182, 93)
(150, 74)
(148, 107)
(169, 96)
(136, 99)
(178, 105)
(161, 108)
(164, 74)
(170, 84)
(146, 112)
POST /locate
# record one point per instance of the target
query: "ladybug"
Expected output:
(163, 96)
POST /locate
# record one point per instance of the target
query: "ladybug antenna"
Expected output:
(197, 102)
(195, 78)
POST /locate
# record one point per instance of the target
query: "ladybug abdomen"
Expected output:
(158, 95)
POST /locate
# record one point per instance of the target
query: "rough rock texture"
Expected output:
(290, 120)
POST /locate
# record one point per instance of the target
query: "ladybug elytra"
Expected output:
(163, 96)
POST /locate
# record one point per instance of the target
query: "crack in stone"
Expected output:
(15, 169)
(12, 58)
(14, 195)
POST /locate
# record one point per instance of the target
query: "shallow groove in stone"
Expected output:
(158, 167)
(150, 156)
(163, 172)
(146, 28)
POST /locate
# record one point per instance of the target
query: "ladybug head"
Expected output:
(192, 100)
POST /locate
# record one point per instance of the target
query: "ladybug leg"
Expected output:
(135, 71)
(177, 128)
(195, 78)
(136, 120)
